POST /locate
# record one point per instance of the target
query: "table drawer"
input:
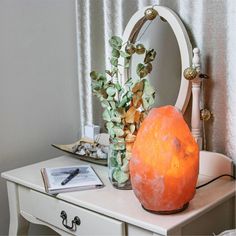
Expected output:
(48, 209)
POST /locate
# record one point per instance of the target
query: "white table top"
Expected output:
(122, 204)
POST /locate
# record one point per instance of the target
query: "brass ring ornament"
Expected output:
(205, 114)
(150, 13)
(190, 73)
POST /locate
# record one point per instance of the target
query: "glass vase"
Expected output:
(118, 165)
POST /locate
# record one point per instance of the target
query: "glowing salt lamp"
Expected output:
(165, 162)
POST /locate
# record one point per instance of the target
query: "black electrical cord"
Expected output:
(202, 185)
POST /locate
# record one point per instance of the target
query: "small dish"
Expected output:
(95, 151)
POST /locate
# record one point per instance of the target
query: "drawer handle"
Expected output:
(74, 222)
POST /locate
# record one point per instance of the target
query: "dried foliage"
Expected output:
(125, 106)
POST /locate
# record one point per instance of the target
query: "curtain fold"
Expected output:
(230, 79)
(84, 60)
(210, 25)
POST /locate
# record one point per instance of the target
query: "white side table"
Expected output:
(109, 211)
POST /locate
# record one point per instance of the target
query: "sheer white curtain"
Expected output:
(97, 21)
(211, 25)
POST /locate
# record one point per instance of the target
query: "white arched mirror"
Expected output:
(167, 35)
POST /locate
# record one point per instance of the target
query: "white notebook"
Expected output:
(85, 179)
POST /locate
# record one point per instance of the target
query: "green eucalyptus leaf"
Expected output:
(145, 103)
(97, 85)
(141, 70)
(119, 158)
(115, 42)
(120, 176)
(101, 77)
(117, 113)
(109, 125)
(112, 113)
(127, 62)
(105, 104)
(115, 53)
(118, 131)
(140, 67)
(127, 65)
(148, 101)
(106, 115)
(110, 98)
(151, 100)
(123, 101)
(112, 105)
(119, 125)
(107, 85)
(125, 166)
(113, 161)
(114, 145)
(111, 133)
(117, 145)
(111, 91)
(116, 119)
(118, 86)
(148, 88)
(121, 140)
(129, 95)
(118, 39)
(114, 61)
(124, 54)
(129, 82)
(93, 75)
(114, 71)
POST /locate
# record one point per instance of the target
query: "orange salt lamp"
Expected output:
(165, 162)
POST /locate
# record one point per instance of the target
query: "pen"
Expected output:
(70, 177)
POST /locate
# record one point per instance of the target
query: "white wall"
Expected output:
(38, 84)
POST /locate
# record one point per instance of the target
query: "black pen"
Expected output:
(70, 177)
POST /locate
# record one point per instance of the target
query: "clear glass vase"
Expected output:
(118, 165)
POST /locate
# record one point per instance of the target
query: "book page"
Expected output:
(85, 177)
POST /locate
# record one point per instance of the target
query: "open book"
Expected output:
(84, 178)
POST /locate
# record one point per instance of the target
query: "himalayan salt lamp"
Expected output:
(165, 162)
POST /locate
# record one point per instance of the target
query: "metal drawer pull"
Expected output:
(74, 222)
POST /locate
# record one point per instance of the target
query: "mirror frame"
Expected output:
(185, 47)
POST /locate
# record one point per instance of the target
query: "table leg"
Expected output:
(18, 225)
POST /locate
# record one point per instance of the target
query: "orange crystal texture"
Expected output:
(165, 161)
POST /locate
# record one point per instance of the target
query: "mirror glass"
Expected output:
(166, 72)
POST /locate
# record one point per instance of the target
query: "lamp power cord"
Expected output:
(202, 185)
